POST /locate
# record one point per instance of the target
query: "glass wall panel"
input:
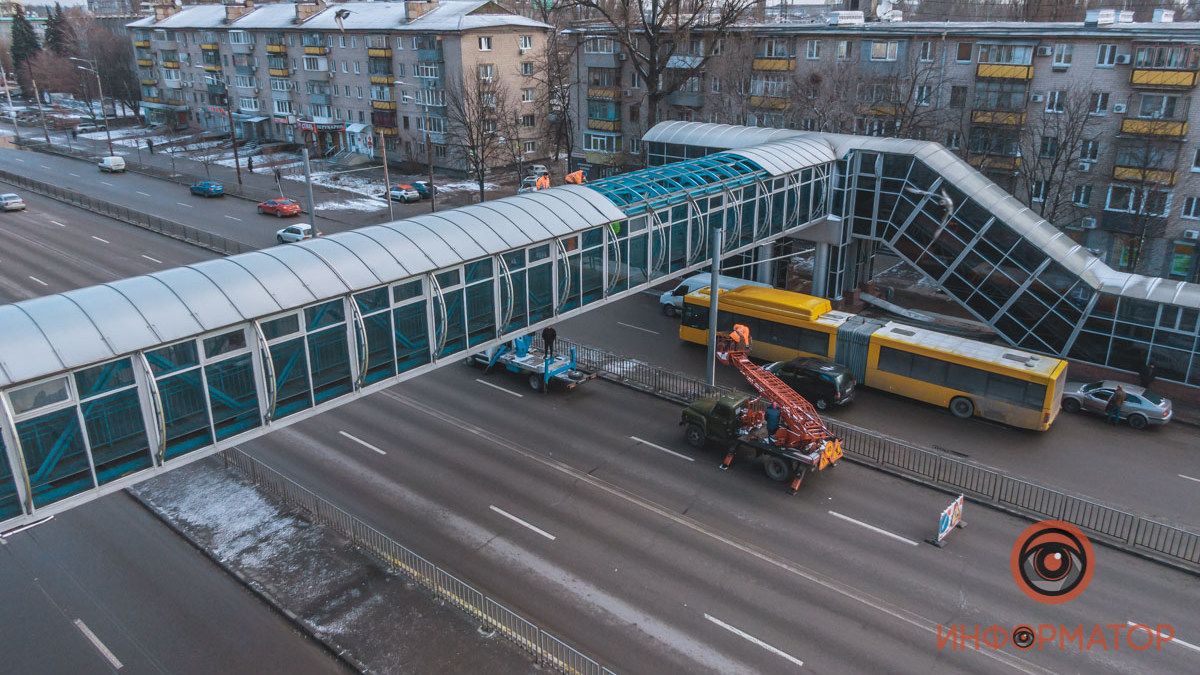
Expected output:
(175, 357)
(481, 316)
(232, 396)
(105, 377)
(292, 391)
(541, 293)
(592, 281)
(54, 455)
(117, 435)
(324, 314)
(381, 357)
(453, 331)
(412, 336)
(10, 501)
(186, 413)
(329, 354)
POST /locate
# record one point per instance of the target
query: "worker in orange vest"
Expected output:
(575, 178)
(542, 183)
(740, 335)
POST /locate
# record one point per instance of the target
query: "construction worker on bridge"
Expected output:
(542, 183)
(575, 177)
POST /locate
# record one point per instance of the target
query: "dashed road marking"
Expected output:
(55, 222)
(73, 174)
(880, 530)
(155, 260)
(144, 194)
(1189, 478)
(184, 205)
(39, 281)
(494, 386)
(518, 521)
(107, 183)
(644, 330)
(1173, 639)
(100, 647)
(233, 218)
(746, 636)
(44, 166)
(362, 442)
(103, 241)
(659, 447)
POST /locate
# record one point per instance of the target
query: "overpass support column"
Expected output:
(763, 271)
(820, 272)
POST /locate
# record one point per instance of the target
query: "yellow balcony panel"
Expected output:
(212, 67)
(146, 63)
(276, 49)
(380, 52)
(605, 93)
(604, 125)
(772, 63)
(1012, 119)
(879, 109)
(388, 131)
(1142, 77)
(280, 72)
(1001, 71)
(144, 44)
(1135, 174)
(1171, 128)
(151, 81)
(383, 105)
(210, 46)
(155, 99)
(320, 50)
(773, 102)
(387, 79)
(994, 162)
(173, 65)
(179, 101)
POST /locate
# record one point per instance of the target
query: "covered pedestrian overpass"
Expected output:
(102, 387)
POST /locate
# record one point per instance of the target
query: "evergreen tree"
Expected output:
(60, 34)
(24, 39)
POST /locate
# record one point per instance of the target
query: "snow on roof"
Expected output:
(450, 15)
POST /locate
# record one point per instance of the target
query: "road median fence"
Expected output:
(170, 228)
(1119, 528)
(545, 648)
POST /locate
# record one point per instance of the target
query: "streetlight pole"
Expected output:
(11, 109)
(387, 181)
(41, 113)
(93, 69)
(237, 162)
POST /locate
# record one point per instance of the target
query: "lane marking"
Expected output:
(240, 220)
(17, 159)
(902, 614)
(1174, 640)
(518, 521)
(151, 259)
(78, 176)
(659, 447)
(746, 636)
(872, 528)
(107, 183)
(145, 194)
(104, 651)
(362, 442)
(55, 222)
(1189, 478)
(644, 330)
(495, 386)
(105, 241)
(185, 205)
(44, 166)
(39, 281)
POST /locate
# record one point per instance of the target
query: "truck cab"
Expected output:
(714, 419)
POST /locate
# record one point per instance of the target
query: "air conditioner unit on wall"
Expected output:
(1119, 108)
(1045, 50)
(1087, 223)
(1122, 59)
(1191, 235)
(1084, 166)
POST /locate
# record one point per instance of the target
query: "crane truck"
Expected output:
(739, 422)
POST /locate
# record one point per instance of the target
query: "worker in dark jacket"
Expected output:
(548, 337)
(1113, 409)
(772, 417)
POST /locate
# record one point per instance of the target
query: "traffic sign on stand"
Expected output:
(950, 518)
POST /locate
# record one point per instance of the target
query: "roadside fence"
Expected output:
(547, 649)
(1119, 528)
(170, 228)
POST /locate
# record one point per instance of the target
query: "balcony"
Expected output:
(774, 63)
(277, 49)
(173, 65)
(771, 102)
(383, 79)
(149, 81)
(148, 63)
(1167, 79)
(1002, 71)
(379, 52)
(218, 88)
(604, 93)
(383, 105)
(387, 131)
(178, 101)
(143, 44)
(172, 84)
(151, 99)
(245, 70)
(879, 109)
(604, 125)
(212, 67)
(318, 99)
(998, 117)
(316, 50)
(279, 72)
(210, 46)
(1161, 128)
(994, 162)
(430, 55)
(1135, 174)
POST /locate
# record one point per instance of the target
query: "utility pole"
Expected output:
(95, 70)
(41, 113)
(428, 142)
(237, 162)
(387, 180)
(312, 212)
(713, 285)
(11, 109)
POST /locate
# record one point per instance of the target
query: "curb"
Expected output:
(258, 590)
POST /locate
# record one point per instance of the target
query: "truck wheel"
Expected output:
(694, 435)
(962, 408)
(777, 469)
(535, 382)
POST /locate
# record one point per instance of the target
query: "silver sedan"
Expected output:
(12, 202)
(1142, 408)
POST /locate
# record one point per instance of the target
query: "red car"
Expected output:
(280, 207)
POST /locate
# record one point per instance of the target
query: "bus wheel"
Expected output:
(1137, 421)
(777, 469)
(962, 408)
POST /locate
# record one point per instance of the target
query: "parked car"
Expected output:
(424, 188)
(294, 233)
(1142, 407)
(823, 383)
(672, 301)
(403, 192)
(89, 127)
(528, 184)
(112, 164)
(281, 207)
(12, 201)
(538, 170)
(207, 188)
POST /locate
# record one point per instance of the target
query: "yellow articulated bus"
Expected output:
(967, 377)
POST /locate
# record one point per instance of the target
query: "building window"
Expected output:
(485, 43)
(1048, 149)
(812, 49)
(598, 45)
(248, 104)
(486, 72)
(1012, 55)
(958, 96)
(357, 68)
(600, 143)
(926, 53)
(843, 50)
(283, 107)
(320, 110)
(527, 96)
(1196, 160)
(359, 91)
(527, 68)
(1082, 195)
(525, 42)
(923, 92)
(1037, 191)
(315, 63)
(1106, 56)
(1056, 101)
(528, 120)
(775, 48)
(1191, 208)
(953, 141)
(885, 51)
(1099, 103)
(1157, 106)
(244, 82)
(1089, 150)
(1148, 201)
(530, 147)
(1062, 55)
(964, 52)
(602, 77)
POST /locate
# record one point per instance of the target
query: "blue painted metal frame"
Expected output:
(656, 187)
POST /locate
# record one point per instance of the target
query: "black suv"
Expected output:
(823, 383)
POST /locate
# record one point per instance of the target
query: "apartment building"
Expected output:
(341, 76)
(1093, 123)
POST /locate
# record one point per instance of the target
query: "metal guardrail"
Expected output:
(547, 649)
(1119, 528)
(170, 228)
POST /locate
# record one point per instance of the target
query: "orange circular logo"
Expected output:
(1052, 561)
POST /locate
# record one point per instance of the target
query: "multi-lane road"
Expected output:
(588, 513)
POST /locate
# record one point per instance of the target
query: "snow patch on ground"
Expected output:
(367, 204)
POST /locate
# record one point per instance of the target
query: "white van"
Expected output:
(112, 164)
(672, 300)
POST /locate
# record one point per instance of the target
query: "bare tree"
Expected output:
(113, 55)
(665, 39)
(55, 74)
(555, 73)
(476, 110)
(1146, 169)
(727, 81)
(826, 99)
(1052, 142)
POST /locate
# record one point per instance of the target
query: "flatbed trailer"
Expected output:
(540, 369)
